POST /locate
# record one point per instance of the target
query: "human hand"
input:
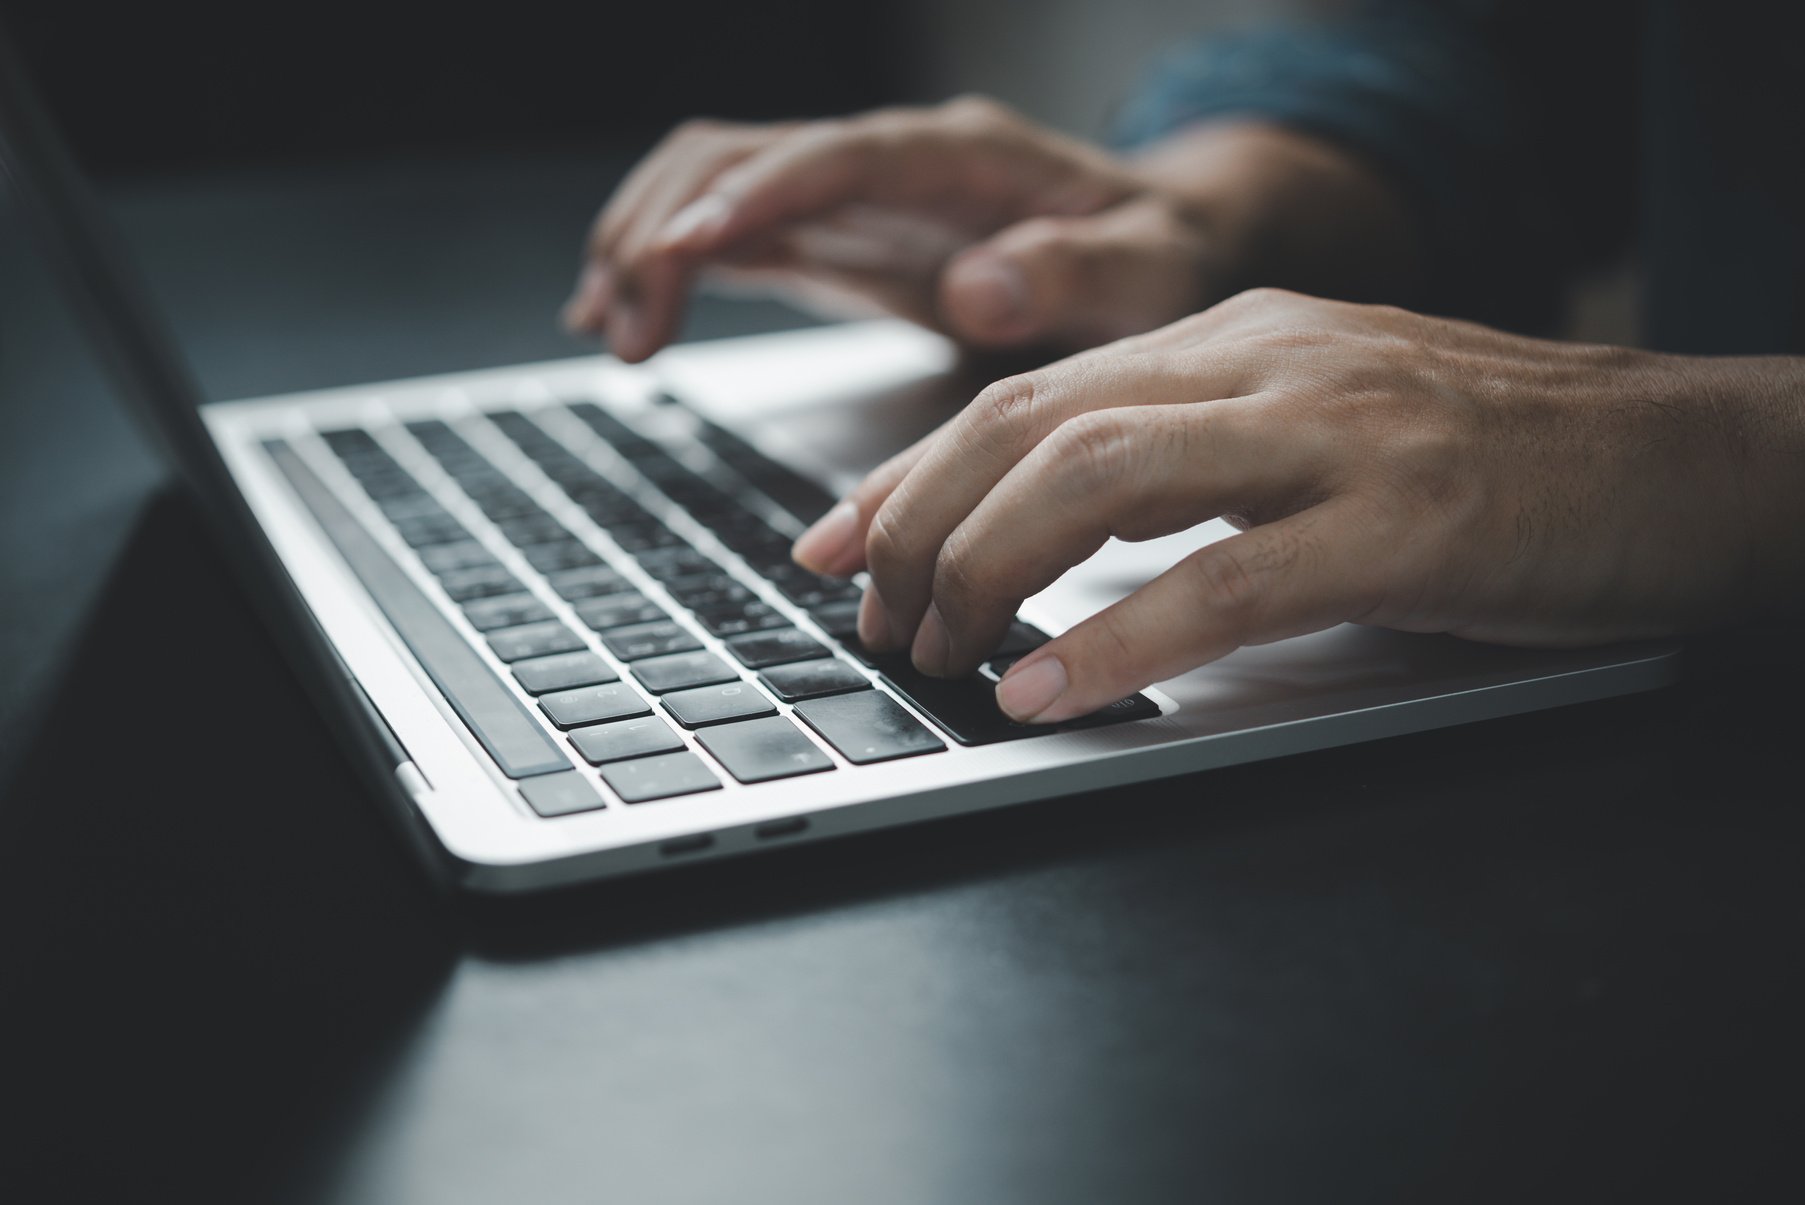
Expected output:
(1386, 468)
(965, 218)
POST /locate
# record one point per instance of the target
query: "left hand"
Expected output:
(1386, 468)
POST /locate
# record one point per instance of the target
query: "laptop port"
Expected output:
(788, 827)
(694, 843)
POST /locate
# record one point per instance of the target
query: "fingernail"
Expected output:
(697, 221)
(826, 543)
(1028, 690)
(875, 631)
(993, 292)
(586, 306)
(932, 648)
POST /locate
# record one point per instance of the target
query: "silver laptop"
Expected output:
(552, 608)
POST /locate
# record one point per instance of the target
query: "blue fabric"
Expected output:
(1535, 139)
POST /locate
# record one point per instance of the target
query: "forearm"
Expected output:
(1283, 208)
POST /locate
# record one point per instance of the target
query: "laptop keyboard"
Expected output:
(630, 694)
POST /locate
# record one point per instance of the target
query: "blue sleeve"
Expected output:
(1508, 137)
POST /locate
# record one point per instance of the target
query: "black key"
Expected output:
(741, 618)
(681, 671)
(717, 704)
(527, 530)
(643, 537)
(622, 739)
(504, 611)
(463, 585)
(423, 531)
(760, 750)
(649, 640)
(1134, 707)
(646, 778)
(560, 794)
(811, 590)
(449, 558)
(756, 650)
(812, 679)
(618, 611)
(1021, 638)
(534, 640)
(591, 581)
(562, 671)
(868, 726)
(498, 720)
(707, 591)
(565, 554)
(965, 707)
(838, 619)
(669, 564)
(593, 704)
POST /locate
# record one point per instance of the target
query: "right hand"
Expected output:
(965, 218)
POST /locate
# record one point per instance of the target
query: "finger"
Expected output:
(1131, 474)
(651, 285)
(1300, 574)
(974, 451)
(663, 181)
(971, 156)
(835, 544)
(1076, 280)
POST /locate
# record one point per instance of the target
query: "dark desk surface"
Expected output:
(1535, 958)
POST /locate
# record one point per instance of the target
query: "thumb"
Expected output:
(1076, 280)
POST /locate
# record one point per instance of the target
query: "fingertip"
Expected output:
(830, 543)
(1034, 689)
(984, 296)
(588, 305)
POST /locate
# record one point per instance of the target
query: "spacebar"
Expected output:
(495, 717)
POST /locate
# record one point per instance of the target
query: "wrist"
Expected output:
(1281, 208)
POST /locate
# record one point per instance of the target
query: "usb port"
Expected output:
(788, 827)
(694, 843)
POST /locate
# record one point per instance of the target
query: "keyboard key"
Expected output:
(593, 704)
(465, 554)
(965, 707)
(505, 611)
(669, 564)
(622, 739)
(565, 554)
(463, 585)
(838, 619)
(560, 794)
(1021, 638)
(649, 640)
(681, 671)
(868, 726)
(739, 619)
(528, 530)
(761, 750)
(618, 611)
(534, 640)
(707, 591)
(756, 650)
(562, 671)
(423, 531)
(647, 778)
(1134, 707)
(812, 679)
(591, 581)
(496, 717)
(717, 704)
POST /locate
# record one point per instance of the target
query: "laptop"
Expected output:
(551, 607)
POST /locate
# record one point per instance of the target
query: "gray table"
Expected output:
(1534, 958)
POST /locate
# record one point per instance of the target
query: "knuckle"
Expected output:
(1001, 411)
(1226, 583)
(974, 111)
(1095, 450)
(696, 128)
(887, 548)
(960, 583)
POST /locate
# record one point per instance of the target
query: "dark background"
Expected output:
(1549, 958)
(158, 88)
